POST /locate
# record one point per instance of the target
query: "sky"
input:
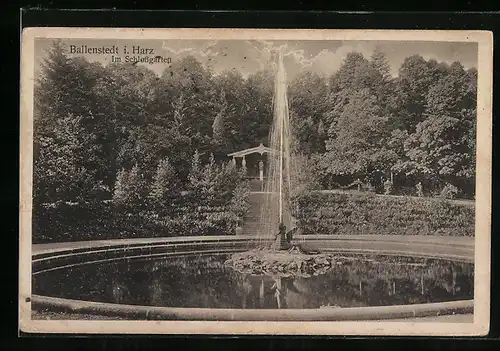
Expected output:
(247, 57)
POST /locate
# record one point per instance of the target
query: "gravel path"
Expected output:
(39, 315)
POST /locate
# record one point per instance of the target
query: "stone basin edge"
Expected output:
(442, 247)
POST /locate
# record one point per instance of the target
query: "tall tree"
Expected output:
(257, 110)
(416, 77)
(165, 183)
(130, 189)
(189, 78)
(64, 168)
(308, 104)
(219, 132)
(230, 86)
(380, 63)
(67, 118)
(440, 147)
(359, 145)
(342, 83)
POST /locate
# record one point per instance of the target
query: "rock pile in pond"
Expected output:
(281, 264)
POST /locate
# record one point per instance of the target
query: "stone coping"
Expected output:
(219, 314)
(406, 239)
(51, 256)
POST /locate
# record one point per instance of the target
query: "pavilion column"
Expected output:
(422, 284)
(244, 163)
(234, 160)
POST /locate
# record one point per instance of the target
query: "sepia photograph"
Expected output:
(239, 181)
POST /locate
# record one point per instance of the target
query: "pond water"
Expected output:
(206, 282)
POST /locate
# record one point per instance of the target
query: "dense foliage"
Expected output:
(365, 214)
(142, 144)
(211, 203)
(121, 152)
(418, 126)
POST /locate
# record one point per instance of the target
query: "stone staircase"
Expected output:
(256, 184)
(251, 222)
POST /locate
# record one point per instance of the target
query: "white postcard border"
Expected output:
(483, 188)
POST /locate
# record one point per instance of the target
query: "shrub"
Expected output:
(240, 203)
(164, 187)
(419, 189)
(449, 191)
(387, 187)
(130, 188)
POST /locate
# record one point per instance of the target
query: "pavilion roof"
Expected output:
(261, 149)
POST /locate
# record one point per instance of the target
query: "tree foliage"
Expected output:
(94, 122)
(165, 182)
(419, 125)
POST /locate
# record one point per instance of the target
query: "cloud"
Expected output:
(329, 61)
(262, 55)
(300, 56)
(247, 57)
(326, 61)
(207, 49)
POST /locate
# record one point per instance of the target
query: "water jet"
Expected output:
(283, 258)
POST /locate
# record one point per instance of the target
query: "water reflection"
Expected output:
(207, 283)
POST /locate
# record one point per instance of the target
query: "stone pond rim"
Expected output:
(46, 257)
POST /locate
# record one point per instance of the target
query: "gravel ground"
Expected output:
(461, 318)
(457, 318)
(69, 316)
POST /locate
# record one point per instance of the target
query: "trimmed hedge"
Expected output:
(102, 222)
(361, 213)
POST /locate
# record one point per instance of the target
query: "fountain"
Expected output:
(278, 256)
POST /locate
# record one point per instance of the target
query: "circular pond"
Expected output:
(205, 281)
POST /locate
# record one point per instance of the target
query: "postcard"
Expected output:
(255, 181)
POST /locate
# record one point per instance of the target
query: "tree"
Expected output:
(359, 143)
(356, 74)
(441, 146)
(384, 86)
(165, 182)
(230, 90)
(396, 143)
(196, 172)
(436, 150)
(227, 178)
(218, 129)
(416, 77)
(188, 77)
(308, 104)
(130, 189)
(65, 164)
(121, 190)
(379, 62)
(57, 90)
(470, 111)
(221, 134)
(240, 203)
(257, 111)
(136, 186)
(73, 86)
(218, 125)
(342, 83)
